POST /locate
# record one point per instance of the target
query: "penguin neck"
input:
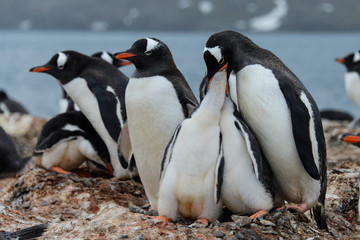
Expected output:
(214, 98)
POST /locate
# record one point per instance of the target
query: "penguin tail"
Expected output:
(319, 215)
(27, 233)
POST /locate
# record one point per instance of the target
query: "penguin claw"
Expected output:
(259, 214)
(59, 170)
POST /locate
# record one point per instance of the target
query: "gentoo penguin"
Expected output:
(336, 115)
(66, 104)
(157, 98)
(98, 88)
(10, 161)
(281, 113)
(68, 140)
(193, 161)
(247, 186)
(8, 105)
(352, 76)
(26, 233)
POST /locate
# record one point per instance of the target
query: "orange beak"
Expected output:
(222, 68)
(125, 63)
(40, 69)
(340, 60)
(124, 55)
(351, 139)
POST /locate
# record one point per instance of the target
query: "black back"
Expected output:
(11, 105)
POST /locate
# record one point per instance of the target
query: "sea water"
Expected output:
(311, 56)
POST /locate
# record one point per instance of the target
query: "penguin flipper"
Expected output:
(301, 122)
(108, 106)
(49, 141)
(124, 146)
(27, 233)
(168, 152)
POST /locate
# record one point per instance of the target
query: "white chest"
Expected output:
(352, 86)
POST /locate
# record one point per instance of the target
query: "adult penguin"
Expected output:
(352, 75)
(283, 116)
(158, 98)
(98, 88)
(8, 105)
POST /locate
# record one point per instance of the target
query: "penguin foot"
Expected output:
(203, 221)
(59, 170)
(162, 218)
(301, 208)
(82, 173)
(259, 214)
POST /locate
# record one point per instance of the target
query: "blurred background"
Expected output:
(307, 35)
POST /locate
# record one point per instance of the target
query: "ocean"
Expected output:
(311, 56)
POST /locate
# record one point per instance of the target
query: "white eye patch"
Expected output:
(105, 56)
(62, 59)
(356, 56)
(151, 44)
(216, 52)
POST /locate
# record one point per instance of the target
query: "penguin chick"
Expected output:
(193, 161)
(283, 116)
(98, 88)
(247, 179)
(8, 105)
(10, 161)
(158, 98)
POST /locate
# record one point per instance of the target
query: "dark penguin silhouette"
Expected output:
(8, 105)
(10, 161)
(281, 113)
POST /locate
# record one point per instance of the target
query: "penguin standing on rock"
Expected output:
(190, 182)
(10, 161)
(352, 76)
(98, 88)
(158, 98)
(281, 113)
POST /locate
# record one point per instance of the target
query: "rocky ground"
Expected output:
(103, 208)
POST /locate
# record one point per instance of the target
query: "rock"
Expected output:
(219, 234)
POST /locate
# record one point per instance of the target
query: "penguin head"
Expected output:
(148, 53)
(351, 61)
(3, 95)
(64, 66)
(110, 58)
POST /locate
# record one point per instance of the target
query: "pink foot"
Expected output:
(203, 221)
(162, 218)
(259, 214)
(59, 170)
(301, 208)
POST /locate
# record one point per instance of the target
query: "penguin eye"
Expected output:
(61, 67)
(148, 52)
(221, 60)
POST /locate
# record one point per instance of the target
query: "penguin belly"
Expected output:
(65, 154)
(189, 180)
(266, 112)
(241, 191)
(154, 112)
(87, 102)
(352, 86)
